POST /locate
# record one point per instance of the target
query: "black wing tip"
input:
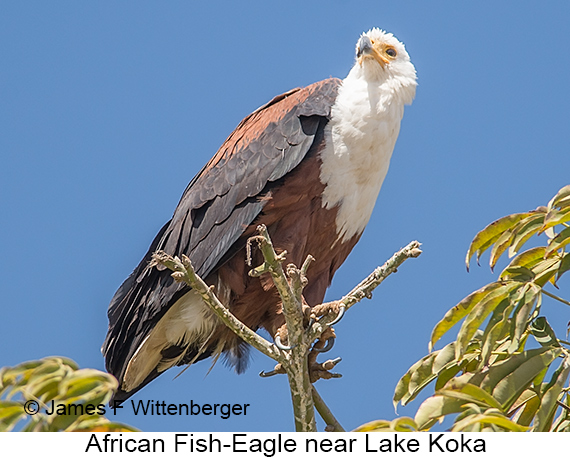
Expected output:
(121, 395)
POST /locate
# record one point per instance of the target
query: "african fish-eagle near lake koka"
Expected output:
(309, 165)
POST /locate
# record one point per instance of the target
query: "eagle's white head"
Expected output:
(364, 126)
(381, 58)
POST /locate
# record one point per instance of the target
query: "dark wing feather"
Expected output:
(216, 208)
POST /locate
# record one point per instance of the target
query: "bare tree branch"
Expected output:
(294, 361)
(184, 272)
(296, 366)
(333, 425)
(365, 288)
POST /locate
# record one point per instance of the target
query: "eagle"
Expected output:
(309, 166)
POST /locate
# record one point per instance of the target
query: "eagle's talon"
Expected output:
(280, 345)
(330, 364)
(312, 320)
(323, 309)
(328, 346)
(322, 370)
(267, 374)
(341, 310)
(277, 370)
(318, 373)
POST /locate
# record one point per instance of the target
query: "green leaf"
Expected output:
(564, 266)
(511, 386)
(404, 424)
(546, 270)
(528, 259)
(9, 376)
(445, 375)
(542, 332)
(490, 234)
(500, 370)
(525, 397)
(528, 299)
(421, 376)
(86, 380)
(100, 425)
(496, 419)
(10, 413)
(524, 231)
(517, 273)
(444, 358)
(494, 331)
(500, 246)
(47, 390)
(434, 408)
(374, 426)
(57, 379)
(479, 313)
(51, 367)
(559, 241)
(401, 389)
(529, 411)
(532, 265)
(459, 311)
(422, 373)
(562, 426)
(469, 392)
(563, 203)
(555, 217)
(561, 199)
(401, 424)
(548, 406)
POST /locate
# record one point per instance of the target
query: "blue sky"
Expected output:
(109, 109)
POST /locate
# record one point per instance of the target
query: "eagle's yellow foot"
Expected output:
(316, 370)
(337, 308)
(322, 370)
(281, 336)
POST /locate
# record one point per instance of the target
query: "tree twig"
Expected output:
(326, 413)
(556, 297)
(184, 272)
(365, 288)
(296, 365)
(294, 361)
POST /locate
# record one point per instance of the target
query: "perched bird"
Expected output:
(309, 165)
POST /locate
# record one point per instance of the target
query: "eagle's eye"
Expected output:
(391, 52)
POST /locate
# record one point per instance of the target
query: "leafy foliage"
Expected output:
(507, 370)
(28, 390)
(401, 424)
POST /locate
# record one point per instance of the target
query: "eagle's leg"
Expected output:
(328, 346)
(323, 344)
(322, 370)
(316, 370)
(336, 307)
(281, 336)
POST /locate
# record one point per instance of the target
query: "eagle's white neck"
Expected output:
(364, 126)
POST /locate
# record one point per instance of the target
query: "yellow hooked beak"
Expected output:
(366, 49)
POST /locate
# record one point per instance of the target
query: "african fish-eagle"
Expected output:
(309, 165)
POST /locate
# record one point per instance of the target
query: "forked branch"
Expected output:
(294, 360)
